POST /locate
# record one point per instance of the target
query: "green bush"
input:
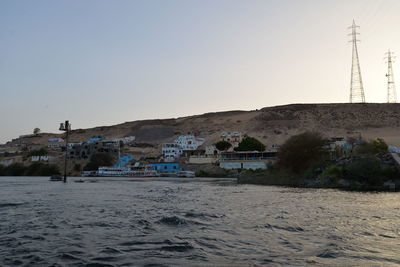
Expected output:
(38, 152)
(99, 160)
(15, 169)
(301, 152)
(250, 144)
(223, 145)
(366, 170)
(372, 147)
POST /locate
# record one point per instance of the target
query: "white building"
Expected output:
(40, 158)
(170, 151)
(189, 142)
(211, 151)
(55, 143)
(126, 140)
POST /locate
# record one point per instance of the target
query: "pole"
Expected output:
(66, 150)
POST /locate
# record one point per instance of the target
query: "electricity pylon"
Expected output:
(391, 89)
(356, 84)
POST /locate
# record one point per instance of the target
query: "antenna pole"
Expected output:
(391, 89)
(356, 84)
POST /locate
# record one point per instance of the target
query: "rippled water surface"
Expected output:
(204, 222)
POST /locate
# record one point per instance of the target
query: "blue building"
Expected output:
(165, 167)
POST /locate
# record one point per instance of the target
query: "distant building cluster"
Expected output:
(184, 143)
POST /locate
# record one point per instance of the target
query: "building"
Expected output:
(126, 140)
(165, 167)
(6, 162)
(234, 138)
(247, 160)
(40, 158)
(171, 151)
(189, 142)
(184, 144)
(55, 143)
(93, 146)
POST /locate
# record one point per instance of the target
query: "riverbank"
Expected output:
(283, 178)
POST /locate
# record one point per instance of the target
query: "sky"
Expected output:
(97, 62)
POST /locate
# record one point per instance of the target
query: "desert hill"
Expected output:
(272, 125)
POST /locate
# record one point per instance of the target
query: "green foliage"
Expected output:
(41, 169)
(223, 145)
(2, 168)
(364, 170)
(99, 160)
(38, 152)
(379, 146)
(36, 131)
(15, 169)
(77, 167)
(250, 144)
(372, 147)
(35, 169)
(333, 170)
(302, 151)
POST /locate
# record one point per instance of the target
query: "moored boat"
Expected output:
(56, 178)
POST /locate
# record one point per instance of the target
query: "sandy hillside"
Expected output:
(272, 125)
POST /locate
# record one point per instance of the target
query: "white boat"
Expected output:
(130, 171)
(187, 174)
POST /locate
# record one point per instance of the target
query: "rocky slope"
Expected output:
(272, 125)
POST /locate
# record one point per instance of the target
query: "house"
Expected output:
(93, 146)
(165, 167)
(6, 162)
(40, 158)
(126, 140)
(55, 143)
(189, 142)
(234, 138)
(247, 160)
(184, 144)
(171, 151)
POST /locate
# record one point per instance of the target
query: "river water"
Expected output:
(192, 222)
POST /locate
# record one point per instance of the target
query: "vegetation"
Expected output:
(302, 151)
(36, 131)
(250, 144)
(223, 145)
(77, 167)
(303, 162)
(38, 152)
(34, 169)
(99, 160)
(372, 147)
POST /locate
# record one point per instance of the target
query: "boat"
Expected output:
(129, 171)
(56, 178)
(186, 174)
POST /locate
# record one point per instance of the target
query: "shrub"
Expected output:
(372, 147)
(250, 144)
(99, 160)
(15, 169)
(364, 170)
(223, 145)
(302, 151)
(41, 169)
(38, 152)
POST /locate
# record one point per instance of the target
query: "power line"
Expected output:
(356, 84)
(391, 89)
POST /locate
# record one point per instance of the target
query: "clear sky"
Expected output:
(106, 62)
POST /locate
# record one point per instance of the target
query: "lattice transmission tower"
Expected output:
(356, 84)
(391, 89)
